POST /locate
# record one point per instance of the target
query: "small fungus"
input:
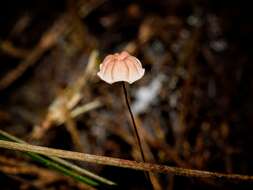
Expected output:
(121, 67)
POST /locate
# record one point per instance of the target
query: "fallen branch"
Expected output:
(123, 163)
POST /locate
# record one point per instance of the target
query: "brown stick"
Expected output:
(123, 163)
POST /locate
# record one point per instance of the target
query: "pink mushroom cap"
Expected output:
(120, 67)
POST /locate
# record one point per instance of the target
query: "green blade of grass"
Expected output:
(62, 169)
(58, 167)
(58, 163)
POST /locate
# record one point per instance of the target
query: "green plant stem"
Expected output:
(60, 161)
(60, 168)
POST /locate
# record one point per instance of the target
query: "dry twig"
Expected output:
(124, 163)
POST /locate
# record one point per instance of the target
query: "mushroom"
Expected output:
(123, 67)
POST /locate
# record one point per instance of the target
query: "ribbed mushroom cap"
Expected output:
(120, 67)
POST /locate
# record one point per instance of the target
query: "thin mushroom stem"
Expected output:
(133, 122)
(135, 130)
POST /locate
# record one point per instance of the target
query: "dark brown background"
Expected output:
(203, 50)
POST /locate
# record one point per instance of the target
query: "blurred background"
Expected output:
(193, 106)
